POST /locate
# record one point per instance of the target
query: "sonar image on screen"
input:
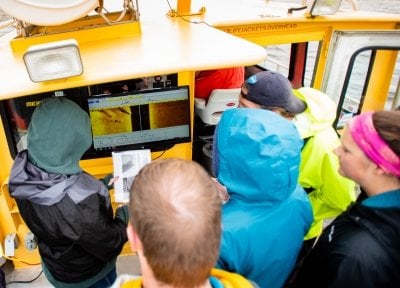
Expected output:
(152, 116)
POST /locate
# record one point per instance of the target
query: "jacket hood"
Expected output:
(257, 155)
(380, 214)
(58, 135)
(320, 112)
(29, 182)
(218, 279)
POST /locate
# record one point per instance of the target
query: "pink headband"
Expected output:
(364, 134)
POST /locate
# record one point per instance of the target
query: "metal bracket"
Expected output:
(10, 244)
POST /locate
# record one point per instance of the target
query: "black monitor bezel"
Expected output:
(154, 146)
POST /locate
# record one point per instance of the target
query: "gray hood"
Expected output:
(58, 135)
(28, 182)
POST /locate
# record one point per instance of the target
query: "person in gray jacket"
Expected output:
(68, 210)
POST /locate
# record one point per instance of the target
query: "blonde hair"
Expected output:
(176, 212)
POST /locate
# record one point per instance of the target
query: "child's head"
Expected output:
(58, 135)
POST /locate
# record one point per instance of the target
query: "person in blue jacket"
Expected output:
(257, 157)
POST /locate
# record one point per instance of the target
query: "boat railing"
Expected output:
(280, 67)
(6, 26)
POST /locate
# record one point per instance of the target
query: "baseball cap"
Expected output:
(272, 89)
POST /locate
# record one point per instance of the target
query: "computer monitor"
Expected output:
(154, 119)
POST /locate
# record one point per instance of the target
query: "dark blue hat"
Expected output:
(272, 89)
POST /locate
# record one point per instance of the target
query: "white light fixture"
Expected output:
(324, 7)
(47, 12)
(54, 60)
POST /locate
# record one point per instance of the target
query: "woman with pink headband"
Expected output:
(361, 248)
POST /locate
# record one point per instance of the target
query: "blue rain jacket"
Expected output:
(257, 157)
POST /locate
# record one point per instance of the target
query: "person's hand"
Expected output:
(122, 214)
(109, 180)
(222, 191)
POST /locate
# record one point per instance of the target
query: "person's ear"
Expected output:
(133, 238)
(245, 103)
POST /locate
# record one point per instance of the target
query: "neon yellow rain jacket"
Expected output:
(330, 193)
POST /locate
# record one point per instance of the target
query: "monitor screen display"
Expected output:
(155, 118)
(149, 118)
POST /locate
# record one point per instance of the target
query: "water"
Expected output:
(388, 6)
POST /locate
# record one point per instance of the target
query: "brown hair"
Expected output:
(176, 212)
(281, 111)
(387, 124)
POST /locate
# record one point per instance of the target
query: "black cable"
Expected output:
(290, 10)
(159, 155)
(184, 19)
(27, 281)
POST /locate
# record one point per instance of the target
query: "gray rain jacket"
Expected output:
(68, 210)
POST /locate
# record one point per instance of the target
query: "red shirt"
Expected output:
(206, 81)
